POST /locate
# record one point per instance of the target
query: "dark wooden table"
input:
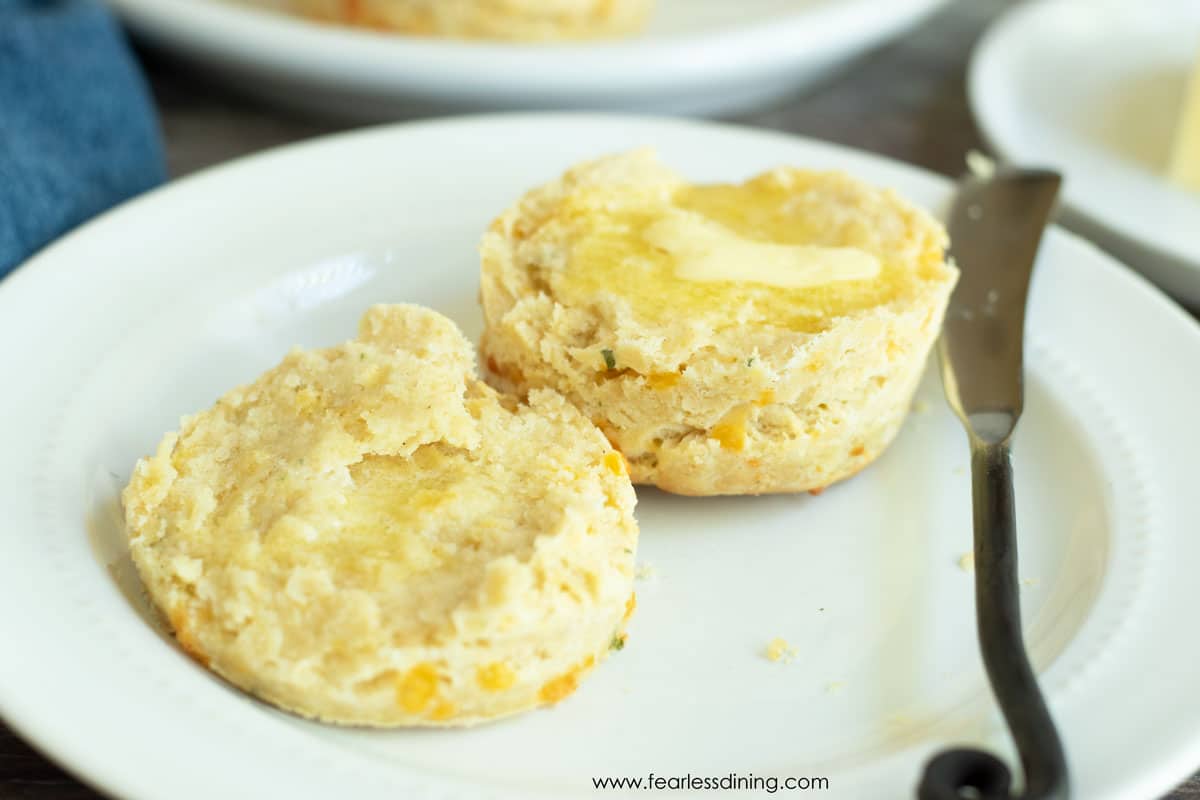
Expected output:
(906, 100)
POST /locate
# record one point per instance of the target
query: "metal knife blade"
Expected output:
(995, 228)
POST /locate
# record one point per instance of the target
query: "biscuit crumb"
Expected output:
(920, 406)
(966, 562)
(980, 165)
(779, 650)
(1029, 582)
(834, 687)
(646, 572)
(959, 470)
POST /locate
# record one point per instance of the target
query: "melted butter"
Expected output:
(617, 245)
(407, 515)
(704, 250)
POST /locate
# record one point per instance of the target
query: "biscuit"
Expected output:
(515, 20)
(368, 534)
(728, 339)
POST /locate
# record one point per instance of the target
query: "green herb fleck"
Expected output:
(629, 550)
(750, 361)
(610, 360)
(362, 356)
(618, 643)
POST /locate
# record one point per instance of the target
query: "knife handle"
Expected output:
(952, 774)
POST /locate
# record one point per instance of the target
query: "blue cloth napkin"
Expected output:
(78, 132)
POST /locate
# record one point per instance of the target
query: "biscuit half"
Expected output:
(718, 385)
(368, 534)
(515, 20)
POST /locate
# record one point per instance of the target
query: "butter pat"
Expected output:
(1184, 168)
(706, 251)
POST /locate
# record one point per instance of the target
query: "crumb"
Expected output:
(966, 562)
(959, 470)
(834, 687)
(989, 305)
(816, 492)
(779, 650)
(980, 165)
(920, 406)
(645, 572)
(1029, 582)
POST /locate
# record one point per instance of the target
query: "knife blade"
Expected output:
(995, 226)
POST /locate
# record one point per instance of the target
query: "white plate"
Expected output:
(156, 308)
(1094, 88)
(698, 56)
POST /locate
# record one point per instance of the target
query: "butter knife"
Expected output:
(996, 225)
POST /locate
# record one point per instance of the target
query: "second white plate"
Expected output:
(1094, 87)
(697, 57)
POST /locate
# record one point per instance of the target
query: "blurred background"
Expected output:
(906, 99)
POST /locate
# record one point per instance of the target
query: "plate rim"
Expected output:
(42, 264)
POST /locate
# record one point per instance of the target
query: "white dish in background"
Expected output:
(1093, 87)
(155, 309)
(697, 57)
